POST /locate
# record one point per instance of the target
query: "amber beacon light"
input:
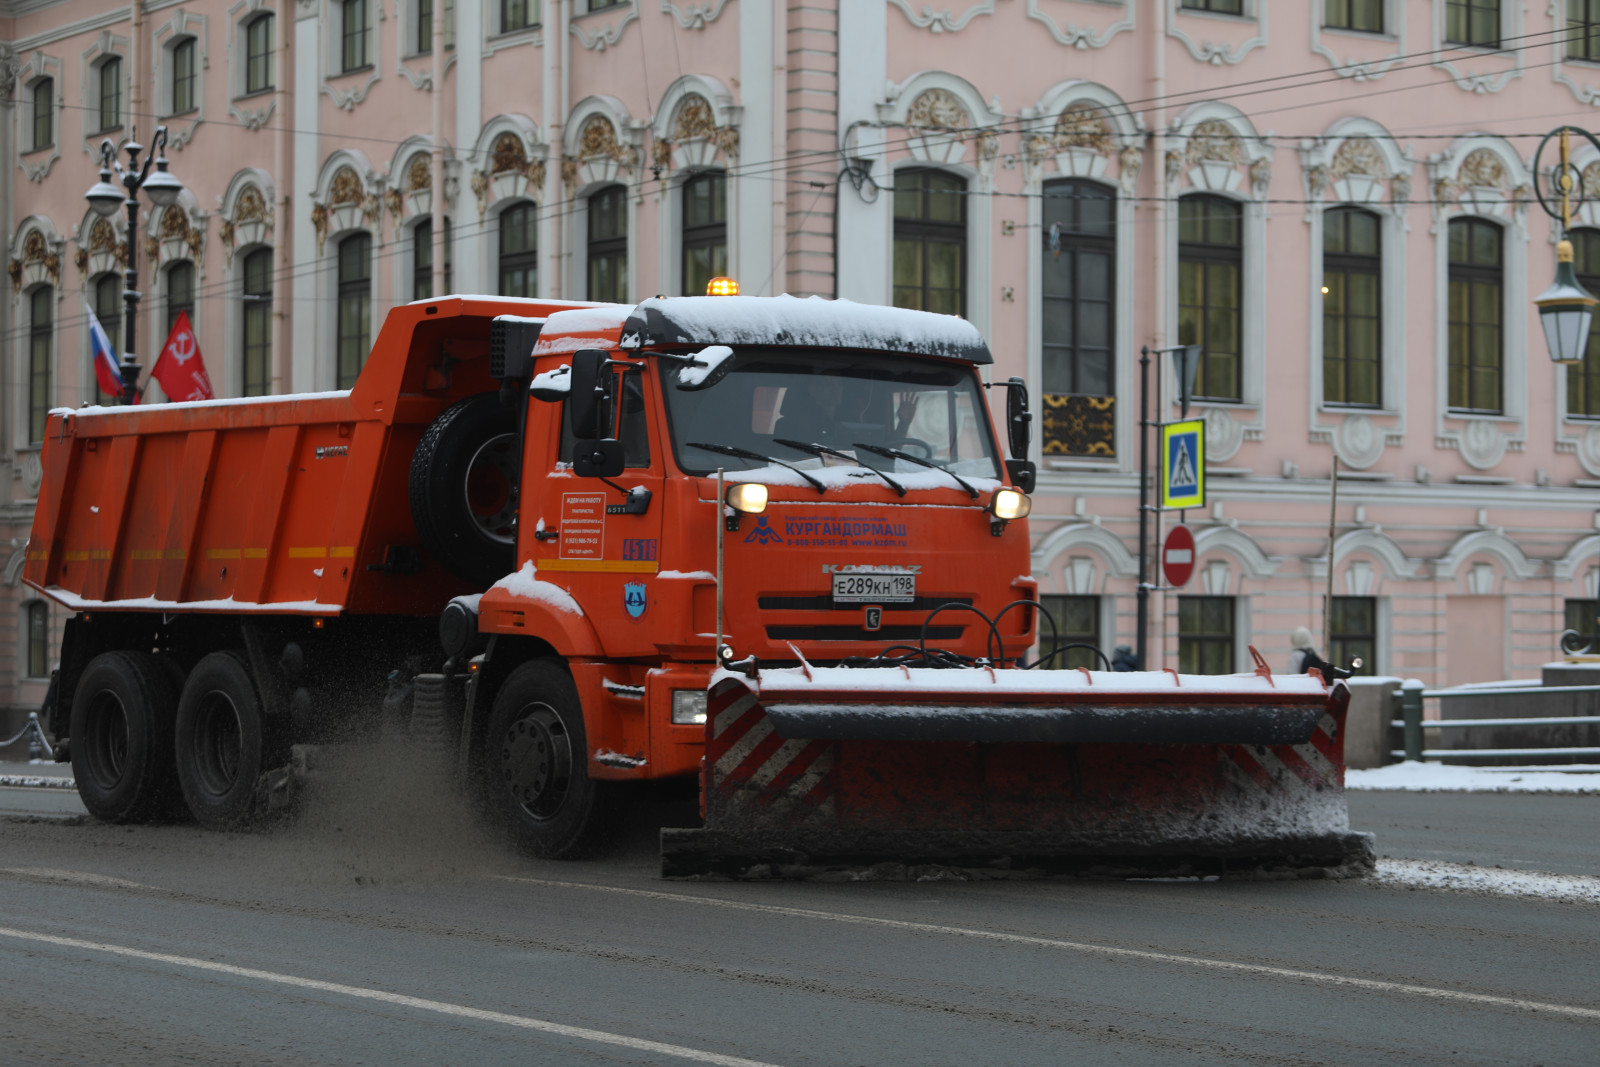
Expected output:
(722, 287)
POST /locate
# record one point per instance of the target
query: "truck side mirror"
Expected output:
(1018, 418)
(598, 459)
(590, 395)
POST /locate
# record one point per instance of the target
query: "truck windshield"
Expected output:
(829, 401)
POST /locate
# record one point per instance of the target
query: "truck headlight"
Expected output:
(689, 707)
(748, 497)
(1009, 504)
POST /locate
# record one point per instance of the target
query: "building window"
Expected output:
(257, 341)
(1352, 273)
(1205, 634)
(258, 55)
(183, 76)
(608, 245)
(1078, 254)
(108, 308)
(1583, 30)
(425, 24)
(1583, 618)
(37, 654)
(1077, 623)
(111, 94)
(1476, 352)
(355, 28)
(705, 230)
(180, 292)
(44, 126)
(422, 260)
(41, 331)
(519, 251)
(601, 5)
(1210, 266)
(1353, 632)
(1224, 7)
(518, 15)
(355, 306)
(1583, 380)
(1472, 22)
(930, 241)
(1363, 15)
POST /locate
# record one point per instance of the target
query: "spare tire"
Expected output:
(464, 489)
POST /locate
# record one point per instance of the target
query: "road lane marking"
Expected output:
(1499, 881)
(52, 874)
(1086, 948)
(523, 1022)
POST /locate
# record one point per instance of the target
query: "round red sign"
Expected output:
(1177, 556)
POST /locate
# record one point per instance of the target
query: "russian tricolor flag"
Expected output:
(106, 369)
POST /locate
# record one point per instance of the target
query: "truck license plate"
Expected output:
(874, 587)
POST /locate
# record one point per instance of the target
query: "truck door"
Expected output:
(601, 539)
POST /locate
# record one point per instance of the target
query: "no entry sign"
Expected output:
(1177, 556)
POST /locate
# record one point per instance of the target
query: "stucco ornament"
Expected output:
(1482, 169)
(1591, 181)
(1317, 178)
(480, 189)
(1224, 435)
(1260, 177)
(319, 224)
(938, 109)
(1084, 126)
(419, 173)
(1131, 160)
(252, 206)
(1214, 140)
(36, 251)
(1358, 442)
(1589, 450)
(696, 121)
(598, 140)
(1357, 155)
(1400, 187)
(1482, 444)
(506, 155)
(345, 188)
(32, 471)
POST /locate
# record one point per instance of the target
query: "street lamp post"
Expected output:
(1185, 361)
(1566, 308)
(105, 198)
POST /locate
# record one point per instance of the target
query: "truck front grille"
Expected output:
(825, 603)
(857, 633)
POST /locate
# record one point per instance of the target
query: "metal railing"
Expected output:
(1412, 693)
(40, 745)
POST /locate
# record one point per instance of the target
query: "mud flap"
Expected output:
(787, 805)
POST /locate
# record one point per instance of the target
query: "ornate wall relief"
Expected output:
(695, 16)
(1108, 20)
(596, 33)
(1372, 55)
(600, 156)
(1235, 41)
(942, 21)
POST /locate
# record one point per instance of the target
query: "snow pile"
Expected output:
(526, 584)
(558, 380)
(1416, 777)
(1495, 881)
(706, 361)
(589, 322)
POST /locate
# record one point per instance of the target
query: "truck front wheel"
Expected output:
(122, 711)
(536, 766)
(220, 741)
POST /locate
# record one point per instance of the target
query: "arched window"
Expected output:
(1078, 259)
(1210, 265)
(41, 334)
(44, 125)
(36, 654)
(355, 306)
(108, 308)
(355, 25)
(180, 292)
(1352, 284)
(1583, 380)
(519, 250)
(930, 241)
(256, 343)
(110, 74)
(608, 244)
(1477, 287)
(422, 260)
(184, 77)
(705, 230)
(258, 55)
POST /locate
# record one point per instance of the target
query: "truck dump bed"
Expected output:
(291, 504)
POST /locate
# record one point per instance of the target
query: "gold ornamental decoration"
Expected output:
(938, 109)
(1214, 141)
(345, 188)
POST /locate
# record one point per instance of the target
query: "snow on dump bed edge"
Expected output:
(219, 402)
(908, 680)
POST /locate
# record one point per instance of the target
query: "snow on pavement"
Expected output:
(1491, 881)
(1416, 777)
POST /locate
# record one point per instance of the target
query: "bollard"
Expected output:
(1411, 712)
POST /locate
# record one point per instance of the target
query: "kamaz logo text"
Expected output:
(851, 568)
(328, 451)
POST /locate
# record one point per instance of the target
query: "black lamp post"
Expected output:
(1566, 308)
(1185, 362)
(105, 198)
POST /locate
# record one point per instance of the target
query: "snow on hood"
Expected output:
(525, 583)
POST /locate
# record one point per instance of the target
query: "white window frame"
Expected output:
(182, 25)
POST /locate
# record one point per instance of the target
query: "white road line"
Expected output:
(54, 874)
(441, 1007)
(1318, 977)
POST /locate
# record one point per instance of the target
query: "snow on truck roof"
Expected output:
(811, 322)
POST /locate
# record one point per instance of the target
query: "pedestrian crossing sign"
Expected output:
(1183, 464)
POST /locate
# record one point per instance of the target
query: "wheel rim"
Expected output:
(106, 747)
(536, 761)
(488, 488)
(218, 744)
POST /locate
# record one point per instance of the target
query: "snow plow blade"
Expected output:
(810, 769)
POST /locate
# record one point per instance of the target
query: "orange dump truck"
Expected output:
(768, 544)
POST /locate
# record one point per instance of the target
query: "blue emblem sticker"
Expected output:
(633, 598)
(763, 534)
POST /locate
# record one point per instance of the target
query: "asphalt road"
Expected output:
(382, 927)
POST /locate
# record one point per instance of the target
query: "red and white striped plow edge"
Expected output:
(755, 776)
(1277, 771)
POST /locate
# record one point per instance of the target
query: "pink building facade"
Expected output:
(1333, 197)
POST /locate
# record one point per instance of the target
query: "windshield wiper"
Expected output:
(822, 450)
(895, 453)
(745, 453)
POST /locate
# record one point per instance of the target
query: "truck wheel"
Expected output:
(122, 712)
(463, 489)
(220, 742)
(536, 766)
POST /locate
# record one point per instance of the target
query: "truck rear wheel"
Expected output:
(536, 766)
(220, 741)
(122, 715)
(463, 489)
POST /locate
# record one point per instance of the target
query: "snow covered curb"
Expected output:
(1416, 777)
(36, 781)
(1493, 881)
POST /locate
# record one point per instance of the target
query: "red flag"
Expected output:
(180, 369)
